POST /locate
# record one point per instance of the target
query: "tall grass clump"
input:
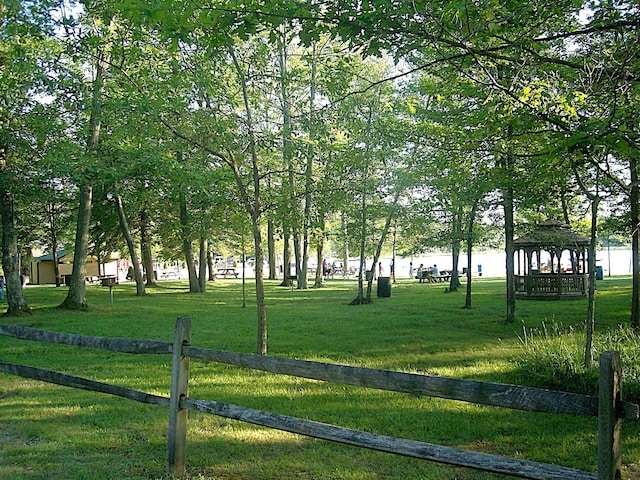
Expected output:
(554, 358)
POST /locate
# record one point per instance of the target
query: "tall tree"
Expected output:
(26, 54)
(76, 297)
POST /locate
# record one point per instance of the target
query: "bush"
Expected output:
(554, 359)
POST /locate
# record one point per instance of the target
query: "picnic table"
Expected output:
(443, 277)
(424, 275)
(224, 272)
(427, 276)
(169, 274)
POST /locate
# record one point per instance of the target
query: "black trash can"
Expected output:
(599, 273)
(384, 286)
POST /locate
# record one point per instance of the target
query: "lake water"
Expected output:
(618, 262)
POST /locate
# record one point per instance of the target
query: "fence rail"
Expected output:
(608, 407)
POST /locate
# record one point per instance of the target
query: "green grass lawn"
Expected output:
(52, 432)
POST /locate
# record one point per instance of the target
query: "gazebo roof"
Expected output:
(552, 233)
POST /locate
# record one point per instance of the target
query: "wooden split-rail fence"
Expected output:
(607, 406)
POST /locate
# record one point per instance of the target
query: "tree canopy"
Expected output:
(311, 124)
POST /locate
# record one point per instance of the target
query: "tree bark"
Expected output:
(345, 253)
(286, 256)
(271, 247)
(76, 297)
(360, 298)
(509, 250)
(634, 198)
(254, 208)
(591, 308)
(303, 281)
(16, 302)
(212, 274)
(454, 282)
(260, 300)
(472, 219)
(202, 264)
(53, 236)
(320, 252)
(145, 248)
(194, 284)
(383, 237)
(126, 231)
(290, 200)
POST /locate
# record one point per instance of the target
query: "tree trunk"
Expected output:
(320, 252)
(202, 263)
(472, 219)
(303, 281)
(212, 275)
(360, 298)
(345, 253)
(454, 282)
(383, 237)
(145, 248)
(76, 297)
(286, 257)
(16, 302)
(260, 301)
(53, 237)
(290, 200)
(509, 250)
(271, 248)
(591, 308)
(124, 225)
(254, 208)
(634, 198)
(194, 284)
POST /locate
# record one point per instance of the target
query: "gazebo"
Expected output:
(551, 263)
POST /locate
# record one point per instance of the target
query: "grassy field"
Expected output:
(51, 432)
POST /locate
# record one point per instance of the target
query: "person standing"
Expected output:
(410, 269)
(1, 287)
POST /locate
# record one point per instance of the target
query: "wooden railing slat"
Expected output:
(82, 383)
(410, 448)
(121, 345)
(485, 393)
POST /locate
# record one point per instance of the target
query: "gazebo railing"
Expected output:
(552, 284)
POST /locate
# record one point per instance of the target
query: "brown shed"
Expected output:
(42, 268)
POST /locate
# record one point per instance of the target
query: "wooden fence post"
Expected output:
(179, 390)
(609, 425)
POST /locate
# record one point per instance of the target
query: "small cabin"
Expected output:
(42, 271)
(551, 263)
